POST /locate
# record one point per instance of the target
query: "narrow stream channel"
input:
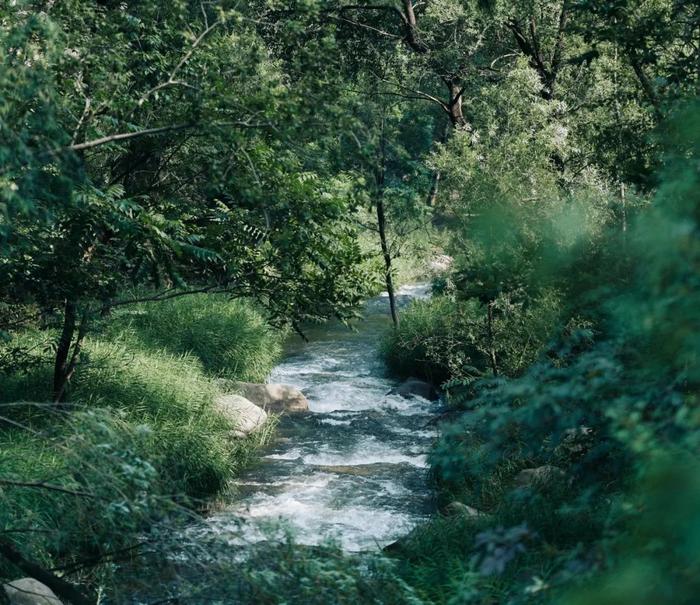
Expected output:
(354, 467)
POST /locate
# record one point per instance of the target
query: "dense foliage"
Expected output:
(182, 181)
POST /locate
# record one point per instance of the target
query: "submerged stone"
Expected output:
(414, 387)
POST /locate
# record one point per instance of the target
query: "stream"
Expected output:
(354, 467)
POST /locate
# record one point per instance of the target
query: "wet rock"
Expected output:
(275, 398)
(539, 476)
(394, 548)
(244, 415)
(575, 444)
(458, 509)
(412, 387)
(28, 591)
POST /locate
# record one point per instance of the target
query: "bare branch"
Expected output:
(125, 136)
(48, 487)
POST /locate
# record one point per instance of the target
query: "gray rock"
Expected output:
(28, 591)
(458, 509)
(539, 476)
(576, 443)
(414, 387)
(245, 417)
(275, 398)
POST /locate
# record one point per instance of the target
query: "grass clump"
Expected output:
(430, 340)
(230, 338)
(86, 484)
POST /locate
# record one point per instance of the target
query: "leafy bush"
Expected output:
(443, 338)
(436, 339)
(86, 485)
(272, 571)
(609, 410)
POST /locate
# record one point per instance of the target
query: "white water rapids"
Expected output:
(354, 467)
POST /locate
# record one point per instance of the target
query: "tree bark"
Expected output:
(381, 223)
(454, 106)
(412, 37)
(63, 350)
(381, 226)
(67, 360)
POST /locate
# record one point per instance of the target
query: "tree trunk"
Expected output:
(437, 175)
(412, 38)
(63, 350)
(455, 105)
(434, 188)
(381, 223)
(67, 360)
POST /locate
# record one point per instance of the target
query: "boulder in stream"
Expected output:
(28, 591)
(244, 415)
(277, 398)
(415, 387)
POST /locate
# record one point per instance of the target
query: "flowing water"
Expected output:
(353, 467)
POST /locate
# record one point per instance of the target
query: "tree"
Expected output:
(170, 169)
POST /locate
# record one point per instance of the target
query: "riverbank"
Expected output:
(141, 437)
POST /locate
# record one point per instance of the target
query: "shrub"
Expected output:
(82, 487)
(443, 338)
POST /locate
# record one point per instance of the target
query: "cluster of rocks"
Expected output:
(248, 407)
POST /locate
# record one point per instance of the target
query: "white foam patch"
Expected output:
(368, 451)
(334, 422)
(309, 509)
(293, 454)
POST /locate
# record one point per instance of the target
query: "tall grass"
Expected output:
(139, 436)
(229, 337)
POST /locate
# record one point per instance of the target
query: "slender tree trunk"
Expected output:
(492, 347)
(412, 37)
(66, 360)
(646, 84)
(63, 350)
(437, 175)
(455, 110)
(434, 188)
(381, 223)
(381, 226)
